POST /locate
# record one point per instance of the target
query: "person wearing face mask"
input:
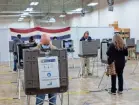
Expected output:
(45, 45)
(86, 61)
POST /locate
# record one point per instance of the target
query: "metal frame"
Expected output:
(106, 86)
(93, 61)
(72, 58)
(135, 68)
(29, 96)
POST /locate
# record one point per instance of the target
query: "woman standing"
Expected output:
(116, 53)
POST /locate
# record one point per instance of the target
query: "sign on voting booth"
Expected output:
(45, 73)
(48, 72)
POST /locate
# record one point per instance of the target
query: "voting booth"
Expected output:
(137, 47)
(98, 43)
(104, 47)
(11, 44)
(20, 48)
(88, 48)
(68, 44)
(45, 72)
(130, 42)
(58, 43)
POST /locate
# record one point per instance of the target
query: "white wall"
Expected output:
(126, 12)
(5, 24)
(13, 23)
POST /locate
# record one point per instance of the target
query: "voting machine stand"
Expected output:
(45, 73)
(104, 59)
(88, 49)
(71, 55)
(11, 44)
(137, 56)
(20, 48)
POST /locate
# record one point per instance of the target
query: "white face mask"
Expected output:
(45, 46)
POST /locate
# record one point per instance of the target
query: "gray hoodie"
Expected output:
(15, 42)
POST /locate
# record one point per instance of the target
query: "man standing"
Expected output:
(15, 42)
(45, 45)
(86, 61)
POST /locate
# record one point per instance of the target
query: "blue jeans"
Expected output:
(40, 99)
(15, 65)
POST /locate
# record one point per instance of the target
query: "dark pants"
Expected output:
(119, 72)
(15, 65)
(40, 99)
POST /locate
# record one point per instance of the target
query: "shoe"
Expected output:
(120, 92)
(113, 93)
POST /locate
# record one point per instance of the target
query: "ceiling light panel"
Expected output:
(23, 16)
(25, 13)
(92, 4)
(29, 9)
(62, 16)
(34, 3)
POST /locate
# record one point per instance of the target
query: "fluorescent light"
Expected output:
(62, 16)
(69, 13)
(34, 3)
(29, 9)
(25, 13)
(92, 4)
(77, 10)
(19, 20)
(23, 16)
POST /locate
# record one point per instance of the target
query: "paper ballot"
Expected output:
(48, 72)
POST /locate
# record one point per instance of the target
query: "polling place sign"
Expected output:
(48, 72)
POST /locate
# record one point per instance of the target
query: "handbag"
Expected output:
(111, 69)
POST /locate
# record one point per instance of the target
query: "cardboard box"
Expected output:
(115, 22)
(117, 29)
(114, 25)
(125, 29)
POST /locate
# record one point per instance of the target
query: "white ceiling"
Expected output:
(14, 8)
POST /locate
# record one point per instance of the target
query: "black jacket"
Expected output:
(83, 39)
(117, 56)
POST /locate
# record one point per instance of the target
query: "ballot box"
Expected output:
(45, 72)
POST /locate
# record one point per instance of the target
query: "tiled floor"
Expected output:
(82, 91)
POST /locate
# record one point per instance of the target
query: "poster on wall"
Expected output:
(48, 72)
(61, 34)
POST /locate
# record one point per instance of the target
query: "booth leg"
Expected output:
(135, 68)
(102, 78)
(81, 69)
(27, 100)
